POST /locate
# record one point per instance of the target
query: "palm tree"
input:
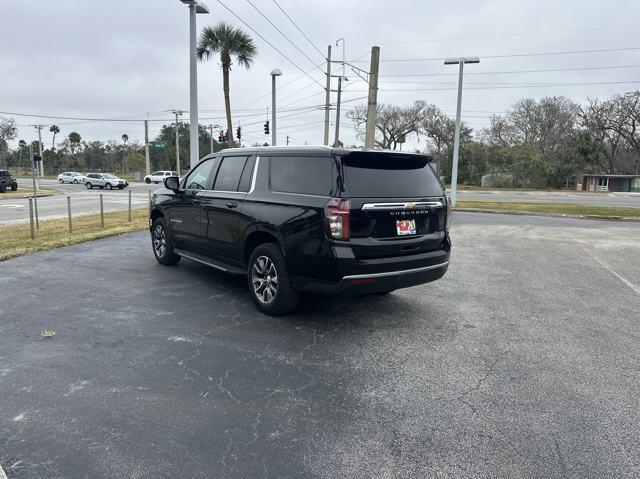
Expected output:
(125, 139)
(227, 41)
(55, 130)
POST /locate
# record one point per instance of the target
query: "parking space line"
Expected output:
(635, 288)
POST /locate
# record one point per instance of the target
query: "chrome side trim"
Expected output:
(396, 273)
(198, 260)
(254, 176)
(402, 206)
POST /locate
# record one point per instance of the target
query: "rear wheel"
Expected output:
(269, 282)
(109, 186)
(3, 187)
(88, 185)
(162, 244)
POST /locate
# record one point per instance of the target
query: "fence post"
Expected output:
(33, 233)
(69, 213)
(129, 206)
(101, 211)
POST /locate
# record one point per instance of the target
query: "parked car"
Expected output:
(70, 177)
(7, 181)
(159, 176)
(104, 180)
(300, 219)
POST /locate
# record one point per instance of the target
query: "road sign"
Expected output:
(159, 145)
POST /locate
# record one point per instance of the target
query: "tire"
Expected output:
(3, 187)
(75, 182)
(162, 244)
(271, 297)
(14, 186)
(120, 187)
(61, 181)
(108, 186)
(147, 181)
(88, 185)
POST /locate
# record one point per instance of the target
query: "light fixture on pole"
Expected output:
(456, 142)
(195, 7)
(274, 73)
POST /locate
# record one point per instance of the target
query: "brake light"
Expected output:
(449, 213)
(337, 219)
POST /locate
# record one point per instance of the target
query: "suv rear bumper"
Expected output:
(366, 276)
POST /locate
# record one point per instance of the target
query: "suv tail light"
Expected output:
(449, 213)
(337, 219)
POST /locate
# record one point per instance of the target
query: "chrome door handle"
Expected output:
(231, 204)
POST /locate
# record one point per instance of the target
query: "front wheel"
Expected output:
(269, 282)
(147, 181)
(162, 244)
(75, 182)
(88, 185)
(60, 181)
(14, 186)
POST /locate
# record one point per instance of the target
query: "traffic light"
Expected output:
(239, 132)
(266, 127)
(221, 137)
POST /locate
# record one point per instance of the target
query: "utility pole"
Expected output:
(372, 104)
(337, 138)
(456, 141)
(177, 113)
(327, 99)
(210, 127)
(147, 163)
(39, 128)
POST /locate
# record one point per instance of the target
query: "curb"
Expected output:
(553, 215)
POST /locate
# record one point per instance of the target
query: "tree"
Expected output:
(624, 120)
(393, 123)
(55, 130)
(8, 129)
(439, 130)
(227, 41)
(74, 142)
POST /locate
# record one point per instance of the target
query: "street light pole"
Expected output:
(195, 7)
(274, 73)
(456, 141)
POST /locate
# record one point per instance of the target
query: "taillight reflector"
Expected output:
(337, 219)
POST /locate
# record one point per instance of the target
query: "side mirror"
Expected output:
(172, 183)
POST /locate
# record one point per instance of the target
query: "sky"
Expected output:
(128, 60)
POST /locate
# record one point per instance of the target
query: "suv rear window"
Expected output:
(389, 176)
(309, 175)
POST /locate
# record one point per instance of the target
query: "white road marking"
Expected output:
(617, 275)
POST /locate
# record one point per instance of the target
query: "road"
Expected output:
(631, 200)
(521, 362)
(83, 201)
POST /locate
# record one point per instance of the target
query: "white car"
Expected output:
(159, 176)
(70, 177)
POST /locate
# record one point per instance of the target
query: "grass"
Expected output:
(566, 209)
(24, 192)
(15, 240)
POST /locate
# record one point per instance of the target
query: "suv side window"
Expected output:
(306, 175)
(229, 173)
(197, 179)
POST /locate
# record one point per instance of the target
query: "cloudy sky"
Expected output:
(124, 59)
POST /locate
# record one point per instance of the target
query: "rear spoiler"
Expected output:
(391, 154)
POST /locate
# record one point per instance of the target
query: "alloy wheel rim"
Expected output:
(264, 278)
(159, 241)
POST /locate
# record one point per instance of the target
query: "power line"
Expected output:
(532, 85)
(511, 55)
(269, 43)
(295, 4)
(280, 31)
(502, 35)
(298, 28)
(548, 70)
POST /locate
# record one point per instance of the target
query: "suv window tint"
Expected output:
(247, 175)
(197, 179)
(229, 173)
(389, 175)
(156, 173)
(308, 175)
(4, 173)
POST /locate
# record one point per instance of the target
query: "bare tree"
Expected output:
(595, 118)
(393, 123)
(624, 119)
(8, 129)
(439, 130)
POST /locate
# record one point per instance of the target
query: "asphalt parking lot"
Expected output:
(523, 361)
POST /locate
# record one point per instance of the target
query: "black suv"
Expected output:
(319, 219)
(7, 181)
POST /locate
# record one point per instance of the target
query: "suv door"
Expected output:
(222, 207)
(185, 212)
